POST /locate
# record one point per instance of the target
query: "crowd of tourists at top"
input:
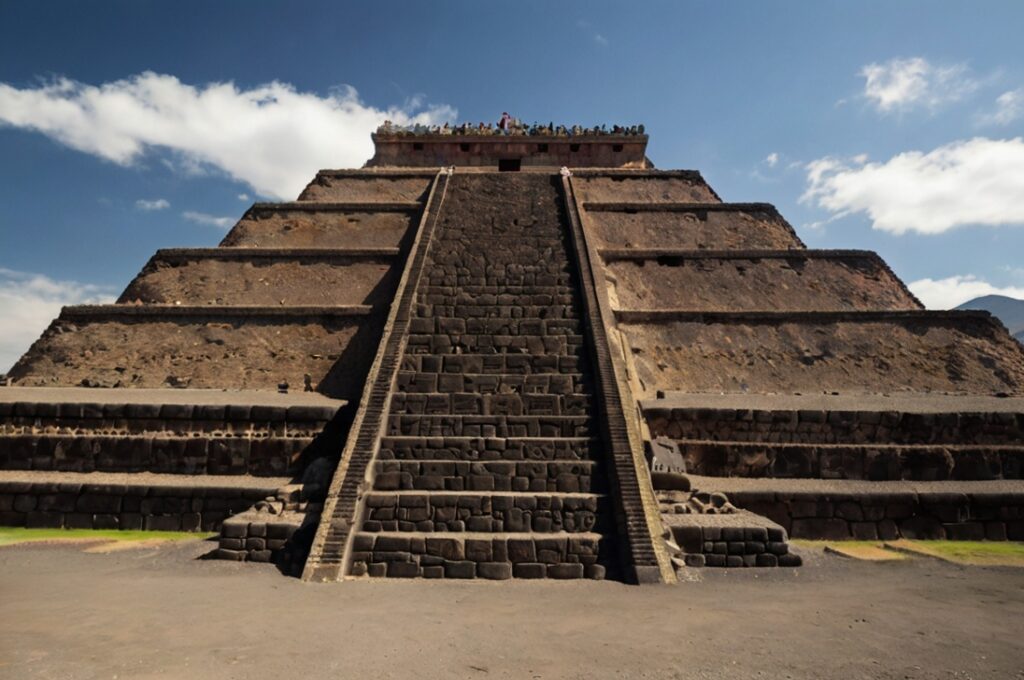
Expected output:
(508, 125)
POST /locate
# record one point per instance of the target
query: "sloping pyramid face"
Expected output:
(438, 373)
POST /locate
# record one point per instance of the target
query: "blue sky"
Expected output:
(126, 127)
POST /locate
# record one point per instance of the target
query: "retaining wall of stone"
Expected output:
(76, 505)
(889, 515)
(834, 427)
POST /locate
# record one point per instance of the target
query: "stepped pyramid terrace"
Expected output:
(524, 355)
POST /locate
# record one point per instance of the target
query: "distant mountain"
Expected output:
(1009, 310)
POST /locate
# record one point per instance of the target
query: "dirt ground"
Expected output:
(158, 612)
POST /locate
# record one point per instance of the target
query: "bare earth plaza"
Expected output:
(514, 403)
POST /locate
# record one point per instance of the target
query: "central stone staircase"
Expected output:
(490, 465)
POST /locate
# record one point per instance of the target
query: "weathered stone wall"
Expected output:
(742, 282)
(813, 353)
(643, 187)
(366, 187)
(273, 226)
(285, 280)
(524, 556)
(75, 504)
(888, 515)
(817, 426)
(532, 151)
(219, 352)
(734, 226)
(876, 462)
(263, 456)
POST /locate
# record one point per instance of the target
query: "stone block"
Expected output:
(233, 528)
(495, 571)
(403, 570)
(260, 555)
(790, 560)
(922, 528)
(864, 531)
(565, 571)
(105, 503)
(226, 554)
(820, 529)
(44, 520)
(714, 560)
(767, 560)
(965, 531)
(529, 570)
(458, 568)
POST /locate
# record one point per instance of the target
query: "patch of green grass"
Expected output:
(981, 553)
(1009, 553)
(12, 535)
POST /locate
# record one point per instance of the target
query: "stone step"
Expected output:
(468, 403)
(489, 426)
(517, 261)
(493, 325)
(495, 556)
(429, 303)
(493, 383)
(449, 315)
(501, 281)
(494, 364)
(558, 344)
(483, 511)
(449, 475)
(486, 449)
(497, 290)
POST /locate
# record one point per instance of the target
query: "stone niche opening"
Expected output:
(509, 164)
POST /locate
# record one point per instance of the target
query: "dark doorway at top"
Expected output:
(509, 164)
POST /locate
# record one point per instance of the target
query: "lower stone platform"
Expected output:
(737, 539)
(886, 510)
(147, 501)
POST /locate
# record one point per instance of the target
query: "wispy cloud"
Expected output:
(208, 220)
(903, 84)
(1009, 108)
(596, 36)
(28, 302)
(158, 204)
(272, 137)
(772, 159)
(973, 182)
(953, 291)
(243, 197)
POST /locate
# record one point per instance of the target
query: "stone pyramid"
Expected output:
(466, 359)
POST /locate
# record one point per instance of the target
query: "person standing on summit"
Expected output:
(505, 122)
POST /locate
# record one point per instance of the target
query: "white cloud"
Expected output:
(158, 204)
(1009, 107)
(271, 137)
(208, 220)
(772, 159)
(904, 84)
(243, 197)
(28, 302)
(956, 290)
(978, 181)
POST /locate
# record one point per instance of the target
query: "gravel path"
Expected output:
(160, 613)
